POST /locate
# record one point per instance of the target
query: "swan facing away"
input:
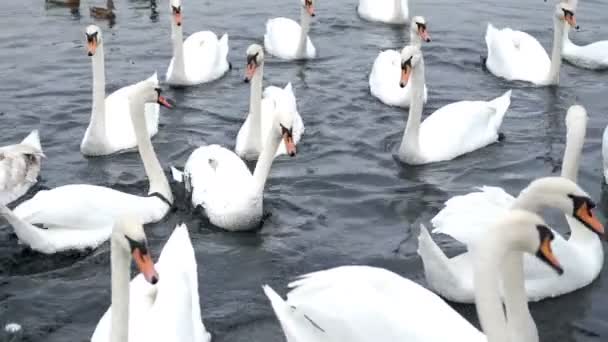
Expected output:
(220, 182)
(452, 130)
(591, 56)
(19, 167)
(110, 129)
(386, 11)
(201, 58)
(286, 39)
(365, 304)
(262, 109)
(152, 308)
(384, 78)
(516, 55)
(78, 216)
(582, 253)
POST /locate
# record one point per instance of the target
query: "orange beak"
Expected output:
(250, 71)
(145, 265)
(311, 10)
(405, 76)
(591, 221)
(571, 20)
(546, 254)
(164, 102)
(91, 47)
(178, 18)
(424, 35)
(290, 146)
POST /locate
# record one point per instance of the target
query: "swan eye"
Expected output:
(285, 131)
(308, 2)
(406, 64)
(421, 26)
(141, 245)
(91, 37)
(545, 233)
(568, 13)
(176, 10)
(253, 59)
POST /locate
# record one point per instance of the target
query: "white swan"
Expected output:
(167, 310)
(582, 253)
(516, 55)
(591, 56)
(220, 182)
(261, 110)
(384, 78)
(286, 39)
(110, 129)
(19, 167)
(77, 216)
(201, 58)
(386, 11)
(361, 303)
(605, 153)
(452, 130)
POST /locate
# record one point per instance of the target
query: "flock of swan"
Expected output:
(513, 256)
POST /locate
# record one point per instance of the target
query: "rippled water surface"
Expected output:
(343, 200)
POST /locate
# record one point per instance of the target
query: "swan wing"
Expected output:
(205, 56)
(591, 56)
(19, 167)
(282, 37)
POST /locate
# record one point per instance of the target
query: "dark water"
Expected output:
(343, 200)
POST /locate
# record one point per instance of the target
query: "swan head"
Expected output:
(309, 6)
(564, 11)
(128, 234)
(93, 35)
(418, 27)
(255, 59)
(564, 194)
(176, 11)
(527, 232)
(283, 127)
(148, 91)
(410, 57)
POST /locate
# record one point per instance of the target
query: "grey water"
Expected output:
(344, 199)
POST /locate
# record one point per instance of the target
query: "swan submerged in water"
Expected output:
(110, 129)
(286, 39)
(369, 304)
(262, 109)
(79, 216)
(201, 58)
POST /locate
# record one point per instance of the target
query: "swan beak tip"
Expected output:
(402, 85)
(246, 80)
(90, 54)
(428, 40)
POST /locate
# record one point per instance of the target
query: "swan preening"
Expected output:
(220, 182)
(19, 167)
(286, 39)
(361, 303)
(384, 78)
(262, 109)
(387, 11)
(465, 217)
(110, 129)
(161, 306)
(201, 58)
(516, 55)
(78, 216)
(452, 130)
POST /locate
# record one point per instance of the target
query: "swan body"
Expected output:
(605, 153)
(201, 58)
(220, 182)
(386, 11)
(464, 216)
(364, 304)
(591, 56)
(384, 78)
(110, 129)
(286, 39)
(452, 130)
(19, 167)
(78, 216)
(516, 55)
(168, 310)
(262, 109)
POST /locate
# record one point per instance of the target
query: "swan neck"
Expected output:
(154, 171)
(262, 168)
(119, 330)
(98, 113)
(255, 105)
(410, 145)
(415, 39)
(556, 54)
(305, 27)
(520, 322)
(177, 36)
(575, 139)
(398, 8)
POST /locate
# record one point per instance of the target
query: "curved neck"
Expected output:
(255, 106)
(119, 329)
(305, 27)
(575, 139)
(154, 171)
(556, 54)
(262, 168)
(410, 145)
(97, 125)
(415, 38)
(177, 36)
(520, 323)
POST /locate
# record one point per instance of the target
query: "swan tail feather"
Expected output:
(33, 140)
(288, 315)
(178, 175)
(501, 105)
(27, 233)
